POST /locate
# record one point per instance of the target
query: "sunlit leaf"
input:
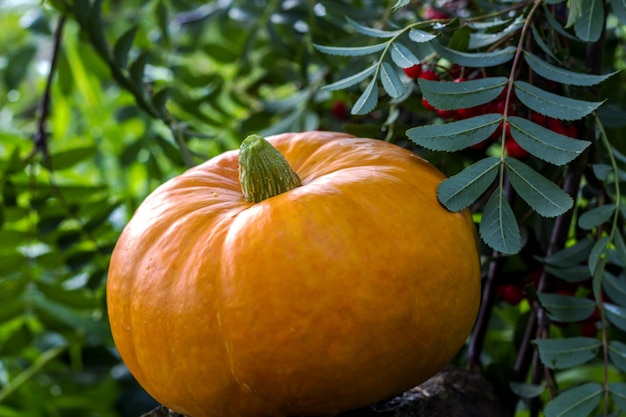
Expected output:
(544, 143)
(567, 353)
(561, 75)
(373, 32)
(553, 105)
(589, 25)
(543, 196)
(402, 56)
(368, 99)
(455, 135)
(566, 308)
(448, 95)
(575, 402)
(419, 36)
(390, 80)
(498, 227)
(351, 80)
(351, 50)
(617, 354)
(596, 216)
(616, 315)
(462, 189)
(475, 59)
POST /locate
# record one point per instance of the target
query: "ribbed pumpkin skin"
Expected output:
(349, 289)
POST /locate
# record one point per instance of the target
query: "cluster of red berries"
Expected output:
(513, 294)
(496, 106)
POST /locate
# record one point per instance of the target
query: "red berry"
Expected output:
(571, 131)
(556, 126)
(446, 114)
(538, 118)
(432, 13)
(511, 294)
(429, 75)
(588, 328)
(427, 105)
(340, 110)
(413, 72)
(470, 112)
(514, 150)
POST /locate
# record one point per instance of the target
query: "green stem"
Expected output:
(263, 170)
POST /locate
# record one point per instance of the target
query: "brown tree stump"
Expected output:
(453, 392)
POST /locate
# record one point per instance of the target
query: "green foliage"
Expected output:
(141, 90)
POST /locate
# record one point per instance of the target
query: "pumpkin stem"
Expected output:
(263, 170)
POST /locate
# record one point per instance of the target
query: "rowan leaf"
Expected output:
(545, 144)
(542, 195)
(617, 354)
(122, 46)
(553, 105)
(616, 315)
(373, 32)
(575, 402)
(351, 80)
(615, 288)
(457, 135)
(419, 36)
(368, 99)
(554, 73)
(390, 80)
(402, 56)
(565, 308)
(567, 353)
(619, 9)
(351, 50)
(448, 95)
(596, 216)
(462, 189)
(475, 59)
(498, 227)
(589, 25)
(617, 390)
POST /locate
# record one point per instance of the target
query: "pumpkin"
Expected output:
(346, 284)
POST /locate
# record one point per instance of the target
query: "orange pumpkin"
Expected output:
(350, 288)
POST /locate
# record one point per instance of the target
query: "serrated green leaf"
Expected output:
(619, 9)
(615, 288)
(542, 44)
(368, 99)
(554, 24)
(419, 36)
(483, 39)
(596, 216)
(617, 354)
(351, 80)
(617, 391)
(616, 315)
(475, 59)
(576, 273)
(498, 227)
(545, 144)
(590, 23)
(122, 46)
(543, 196)
(572, 255)
(566, 308)
(567, 353)
(448, 95)
(390, 80)
(574, 12)
(553, 105)
(455, 135)
(401, 3)
(402, 56)
(351, 50)
(462, 189)
(554, 73)
(575, 402)
(375, 33)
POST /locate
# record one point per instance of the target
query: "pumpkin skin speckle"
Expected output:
(351, 288)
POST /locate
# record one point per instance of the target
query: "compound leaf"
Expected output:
(390, 80)
(351, 80)
(575, 402)
(498, 227)
(368, 99)
(567, 353)
(449, 95)
(565, 308)
(554, 73)
(455, 135)
(475, 59)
